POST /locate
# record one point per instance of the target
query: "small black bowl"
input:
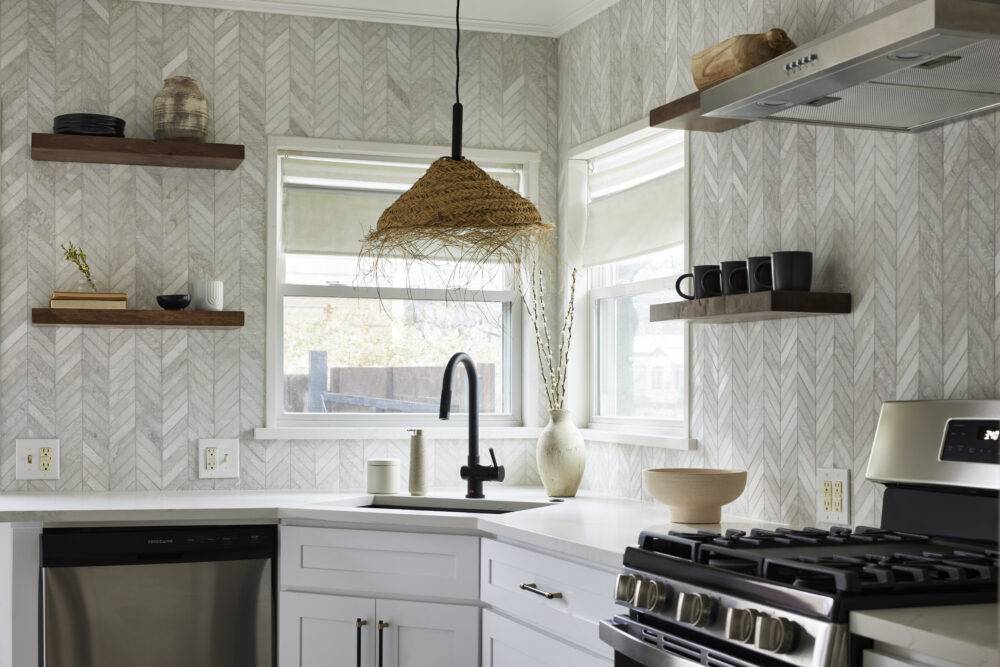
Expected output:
(174, 301)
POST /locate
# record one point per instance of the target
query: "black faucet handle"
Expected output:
(493, 456)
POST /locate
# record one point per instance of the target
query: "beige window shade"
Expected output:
(328, 205)
(640, 220)
(324, 221)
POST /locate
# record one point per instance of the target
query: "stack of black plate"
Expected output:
(93, 124)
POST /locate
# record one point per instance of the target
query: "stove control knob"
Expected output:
(625, 587)
(740, 624)
(777, 635)
(650, 595)
(695, 609)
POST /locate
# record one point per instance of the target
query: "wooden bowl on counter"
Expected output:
(694, 495)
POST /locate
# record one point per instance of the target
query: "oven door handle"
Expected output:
(648, 656)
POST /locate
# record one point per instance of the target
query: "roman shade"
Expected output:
(329, 204)
(637, 200)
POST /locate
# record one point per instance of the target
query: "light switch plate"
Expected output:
(833, 496)
(37, 458)
(218, 458)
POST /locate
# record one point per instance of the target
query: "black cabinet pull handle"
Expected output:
(532, 588)
(360, 624)
(382, 625)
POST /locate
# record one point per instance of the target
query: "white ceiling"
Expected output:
(546, 18)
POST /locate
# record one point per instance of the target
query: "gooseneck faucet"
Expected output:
(475, 473)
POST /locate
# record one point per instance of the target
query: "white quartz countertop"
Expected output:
(589, 528)
(964, 634)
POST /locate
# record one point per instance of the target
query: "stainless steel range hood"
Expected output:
(907, 67)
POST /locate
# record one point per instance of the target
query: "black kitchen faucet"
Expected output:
(475, 473)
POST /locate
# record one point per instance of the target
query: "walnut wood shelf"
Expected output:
(752, 307)
(201, 319)
(123, 150)
(684, 113)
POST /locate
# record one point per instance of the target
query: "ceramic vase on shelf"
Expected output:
(180, 110)
(561, 455)
(206, 294)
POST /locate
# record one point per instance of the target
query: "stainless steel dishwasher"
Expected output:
(159, 597)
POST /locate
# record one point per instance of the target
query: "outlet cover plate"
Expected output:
(29, 457)
(839, 514)
(227, 458)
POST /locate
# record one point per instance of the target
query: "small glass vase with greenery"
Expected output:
(76, 256)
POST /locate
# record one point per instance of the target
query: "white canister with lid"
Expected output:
(383, 475)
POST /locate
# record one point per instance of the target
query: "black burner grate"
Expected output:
(837, 560)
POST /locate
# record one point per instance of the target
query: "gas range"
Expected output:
(783, 597)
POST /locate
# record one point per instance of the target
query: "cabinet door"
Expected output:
(507, 643)
(425, 634)
(322, 631)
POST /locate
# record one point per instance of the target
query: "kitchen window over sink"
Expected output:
(632, 229)
(353, 344)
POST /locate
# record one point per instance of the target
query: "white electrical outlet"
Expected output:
(218, 458)
(37, 458)
(833, 496)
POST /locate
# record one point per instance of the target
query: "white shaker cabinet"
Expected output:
(510, 644)
(323, 630)
(317, 630)
(424, 634)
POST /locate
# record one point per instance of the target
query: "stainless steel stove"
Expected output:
(783, 597)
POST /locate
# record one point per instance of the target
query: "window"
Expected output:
(634, 248)
(355, 344)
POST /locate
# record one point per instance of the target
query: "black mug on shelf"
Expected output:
(734, 277)
(707, 282)
(792, 270)
(759, 274)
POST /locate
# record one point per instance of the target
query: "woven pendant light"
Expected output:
(457, 210)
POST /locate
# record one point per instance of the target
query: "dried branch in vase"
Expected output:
(553, 362)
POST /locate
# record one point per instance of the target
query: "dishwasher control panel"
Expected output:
(68, 547)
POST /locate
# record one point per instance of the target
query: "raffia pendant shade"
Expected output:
(457, 206)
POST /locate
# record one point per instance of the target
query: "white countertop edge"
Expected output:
(965, 634)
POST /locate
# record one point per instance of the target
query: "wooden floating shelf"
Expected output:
(123, 150)
(752, 307)
(202, 319)
(684, 113)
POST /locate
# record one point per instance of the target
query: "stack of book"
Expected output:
(89, 300)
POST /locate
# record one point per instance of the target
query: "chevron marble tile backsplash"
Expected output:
(908, 224)
(129, 405)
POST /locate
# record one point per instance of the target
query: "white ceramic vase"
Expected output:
(561, 455)
(206, 294)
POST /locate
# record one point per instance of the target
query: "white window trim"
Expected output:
(573, 210)
(278, 425)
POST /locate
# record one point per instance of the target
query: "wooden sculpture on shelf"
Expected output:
(737, 55)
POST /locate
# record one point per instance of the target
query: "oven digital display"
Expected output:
(972, 440)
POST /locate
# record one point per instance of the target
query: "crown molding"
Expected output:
(324, 9)
(585, 12)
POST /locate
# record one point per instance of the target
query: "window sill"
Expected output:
(390, 432)
(640, 439)
(459, 433)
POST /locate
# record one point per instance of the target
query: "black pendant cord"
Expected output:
(456, 109)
